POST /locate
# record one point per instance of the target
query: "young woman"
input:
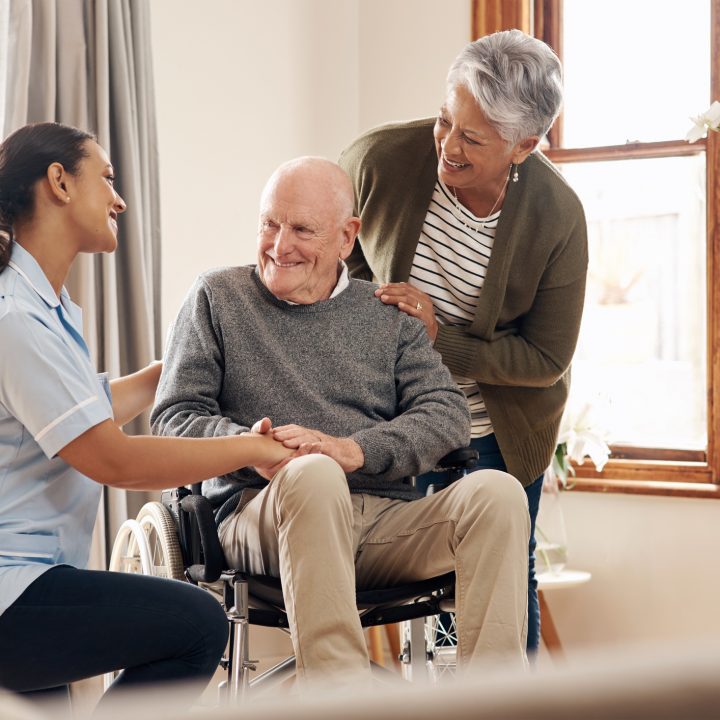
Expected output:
(61, 439)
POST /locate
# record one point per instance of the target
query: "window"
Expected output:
(650, 342)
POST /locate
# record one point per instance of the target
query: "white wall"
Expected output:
(654, 566)
(243, 86)
(406, 47)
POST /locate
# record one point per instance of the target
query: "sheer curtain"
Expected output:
(88, 63)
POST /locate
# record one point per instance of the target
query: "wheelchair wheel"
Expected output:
(130, 553)
(442, 629)
(441, 639)
(149, 545)
(161, 532)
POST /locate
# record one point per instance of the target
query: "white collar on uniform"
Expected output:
(25, 265)
(28, 268)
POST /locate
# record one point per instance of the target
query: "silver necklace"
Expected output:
(481, 225)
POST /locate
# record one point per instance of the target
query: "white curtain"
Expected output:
(88, 63)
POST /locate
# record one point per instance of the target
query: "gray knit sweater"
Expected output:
(349, 366)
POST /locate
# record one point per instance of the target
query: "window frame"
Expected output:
(657, 471)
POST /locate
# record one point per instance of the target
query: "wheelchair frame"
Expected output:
(177, 538)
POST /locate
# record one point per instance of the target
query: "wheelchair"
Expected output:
(177, 538)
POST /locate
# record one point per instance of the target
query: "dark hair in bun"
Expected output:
(24, 158)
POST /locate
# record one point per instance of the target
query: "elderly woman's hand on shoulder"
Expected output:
(411, 301)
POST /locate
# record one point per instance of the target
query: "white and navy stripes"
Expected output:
(450, 264)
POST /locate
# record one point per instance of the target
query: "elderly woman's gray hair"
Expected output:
(515, 79)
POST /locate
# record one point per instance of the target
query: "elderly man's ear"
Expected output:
(350, 230)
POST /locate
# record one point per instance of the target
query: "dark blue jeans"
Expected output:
(72, 624)
(491, 459)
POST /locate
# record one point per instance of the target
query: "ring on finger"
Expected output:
(419, 306)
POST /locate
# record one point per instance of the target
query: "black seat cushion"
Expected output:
(269, 590)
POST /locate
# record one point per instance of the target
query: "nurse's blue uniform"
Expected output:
(58, 621)
(49, 395)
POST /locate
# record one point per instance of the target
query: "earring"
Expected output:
(67, 199)
(515, 176)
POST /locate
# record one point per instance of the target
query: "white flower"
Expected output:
(709, 120)
(583, 433)
(587, 443)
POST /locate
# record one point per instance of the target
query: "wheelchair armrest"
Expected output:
(213, 556)
(466, 457)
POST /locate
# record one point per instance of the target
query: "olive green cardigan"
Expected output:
(522, 339)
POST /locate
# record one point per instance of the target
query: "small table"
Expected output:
(550, 580)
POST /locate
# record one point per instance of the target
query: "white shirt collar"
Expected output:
(342, 283)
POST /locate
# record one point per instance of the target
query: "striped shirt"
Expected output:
(450, 265)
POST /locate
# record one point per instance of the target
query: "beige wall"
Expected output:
(243, 86)
(406, 47)
(654, 565)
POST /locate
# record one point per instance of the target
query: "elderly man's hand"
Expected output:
(345, 451)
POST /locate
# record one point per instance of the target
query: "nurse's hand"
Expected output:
(264, 428)
(412, 302)
(107, 455)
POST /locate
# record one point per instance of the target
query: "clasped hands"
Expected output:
(304, 441)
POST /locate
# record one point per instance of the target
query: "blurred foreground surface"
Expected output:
(658, 682)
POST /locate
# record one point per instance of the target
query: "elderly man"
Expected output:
(293, 347)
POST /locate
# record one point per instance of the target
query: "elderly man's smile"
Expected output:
(280, 264)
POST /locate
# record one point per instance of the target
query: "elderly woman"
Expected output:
(471, 229)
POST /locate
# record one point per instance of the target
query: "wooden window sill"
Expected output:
(678, 480)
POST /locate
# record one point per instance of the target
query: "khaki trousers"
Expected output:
(307, 529)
